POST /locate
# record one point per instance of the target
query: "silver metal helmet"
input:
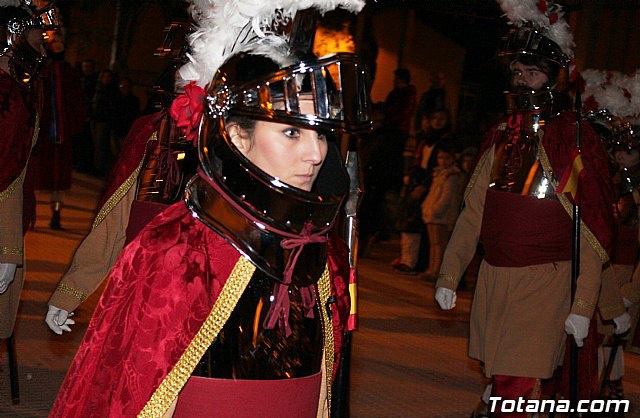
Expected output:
(260, 209)
(528, 45)
(16, 21)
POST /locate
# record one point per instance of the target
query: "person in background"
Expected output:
(441, 206)
(433, 99)
(63, 115)
(399, 109)
(434, 132)
(82, 143)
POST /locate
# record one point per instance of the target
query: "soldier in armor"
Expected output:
(21, 55)
(234, 304)
(516, 205)
(604, 91)
(150, 174)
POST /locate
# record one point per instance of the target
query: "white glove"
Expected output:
(446, 298)
(7, 273)
(627, 303)
(578, 326)
(59, 320)
(623, 323)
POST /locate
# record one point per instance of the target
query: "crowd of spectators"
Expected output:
(414, 178)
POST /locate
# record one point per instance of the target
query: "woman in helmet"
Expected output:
(247, 283)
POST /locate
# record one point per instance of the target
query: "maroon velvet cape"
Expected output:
(160, 291)
(17, 119)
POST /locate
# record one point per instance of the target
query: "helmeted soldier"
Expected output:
(246, 283)
(21, 55)
(155, 164)
(518, 205)
(610, 109)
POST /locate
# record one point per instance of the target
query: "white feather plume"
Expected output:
(617, 92)
(227, 27)
(10, 3)
(520, 12)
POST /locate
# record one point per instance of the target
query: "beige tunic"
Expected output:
(12, 244)
(518, 313)
(97, 253)
(11, 251)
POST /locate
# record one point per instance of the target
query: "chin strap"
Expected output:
(279, 311)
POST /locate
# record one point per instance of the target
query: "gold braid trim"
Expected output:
(568, 206)
(73, 292)
(173, 383)
(476, 172)
(447, 278)
(122, 190)
(11, 251)
(14, 185)
(536, 394)
(581, 303)
(324, 293)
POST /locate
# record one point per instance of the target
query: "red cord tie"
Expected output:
(279, 311)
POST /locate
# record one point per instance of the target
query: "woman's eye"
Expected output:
(322, 137)
(291, 132)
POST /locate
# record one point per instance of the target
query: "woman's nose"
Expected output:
(313, 149)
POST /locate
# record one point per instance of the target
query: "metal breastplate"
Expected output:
(245, 349)
(516, 165)
(168, 167)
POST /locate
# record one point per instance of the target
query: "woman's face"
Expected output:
(289, 153)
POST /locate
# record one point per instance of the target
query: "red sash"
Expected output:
(519, 231)
(234, 398)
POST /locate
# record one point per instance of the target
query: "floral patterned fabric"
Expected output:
(161, 290)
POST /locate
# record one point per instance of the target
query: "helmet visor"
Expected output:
(528, 41)
(336, 86)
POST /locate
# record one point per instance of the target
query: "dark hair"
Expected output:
(403, 74)
(245, 123)
(447, 149)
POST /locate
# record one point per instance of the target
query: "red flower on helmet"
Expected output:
(187, 108)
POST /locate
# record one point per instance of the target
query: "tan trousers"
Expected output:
(438, 238)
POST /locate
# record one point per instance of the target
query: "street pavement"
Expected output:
(409, 357)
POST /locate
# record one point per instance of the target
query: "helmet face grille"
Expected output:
(335, 86)
(529, 41)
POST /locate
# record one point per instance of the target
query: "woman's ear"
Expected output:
(239, 138)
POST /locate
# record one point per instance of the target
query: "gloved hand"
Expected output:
(578, 326)
(7, 273)
(627, 303)
(446, 298)
(623, 323)
(59, 320)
